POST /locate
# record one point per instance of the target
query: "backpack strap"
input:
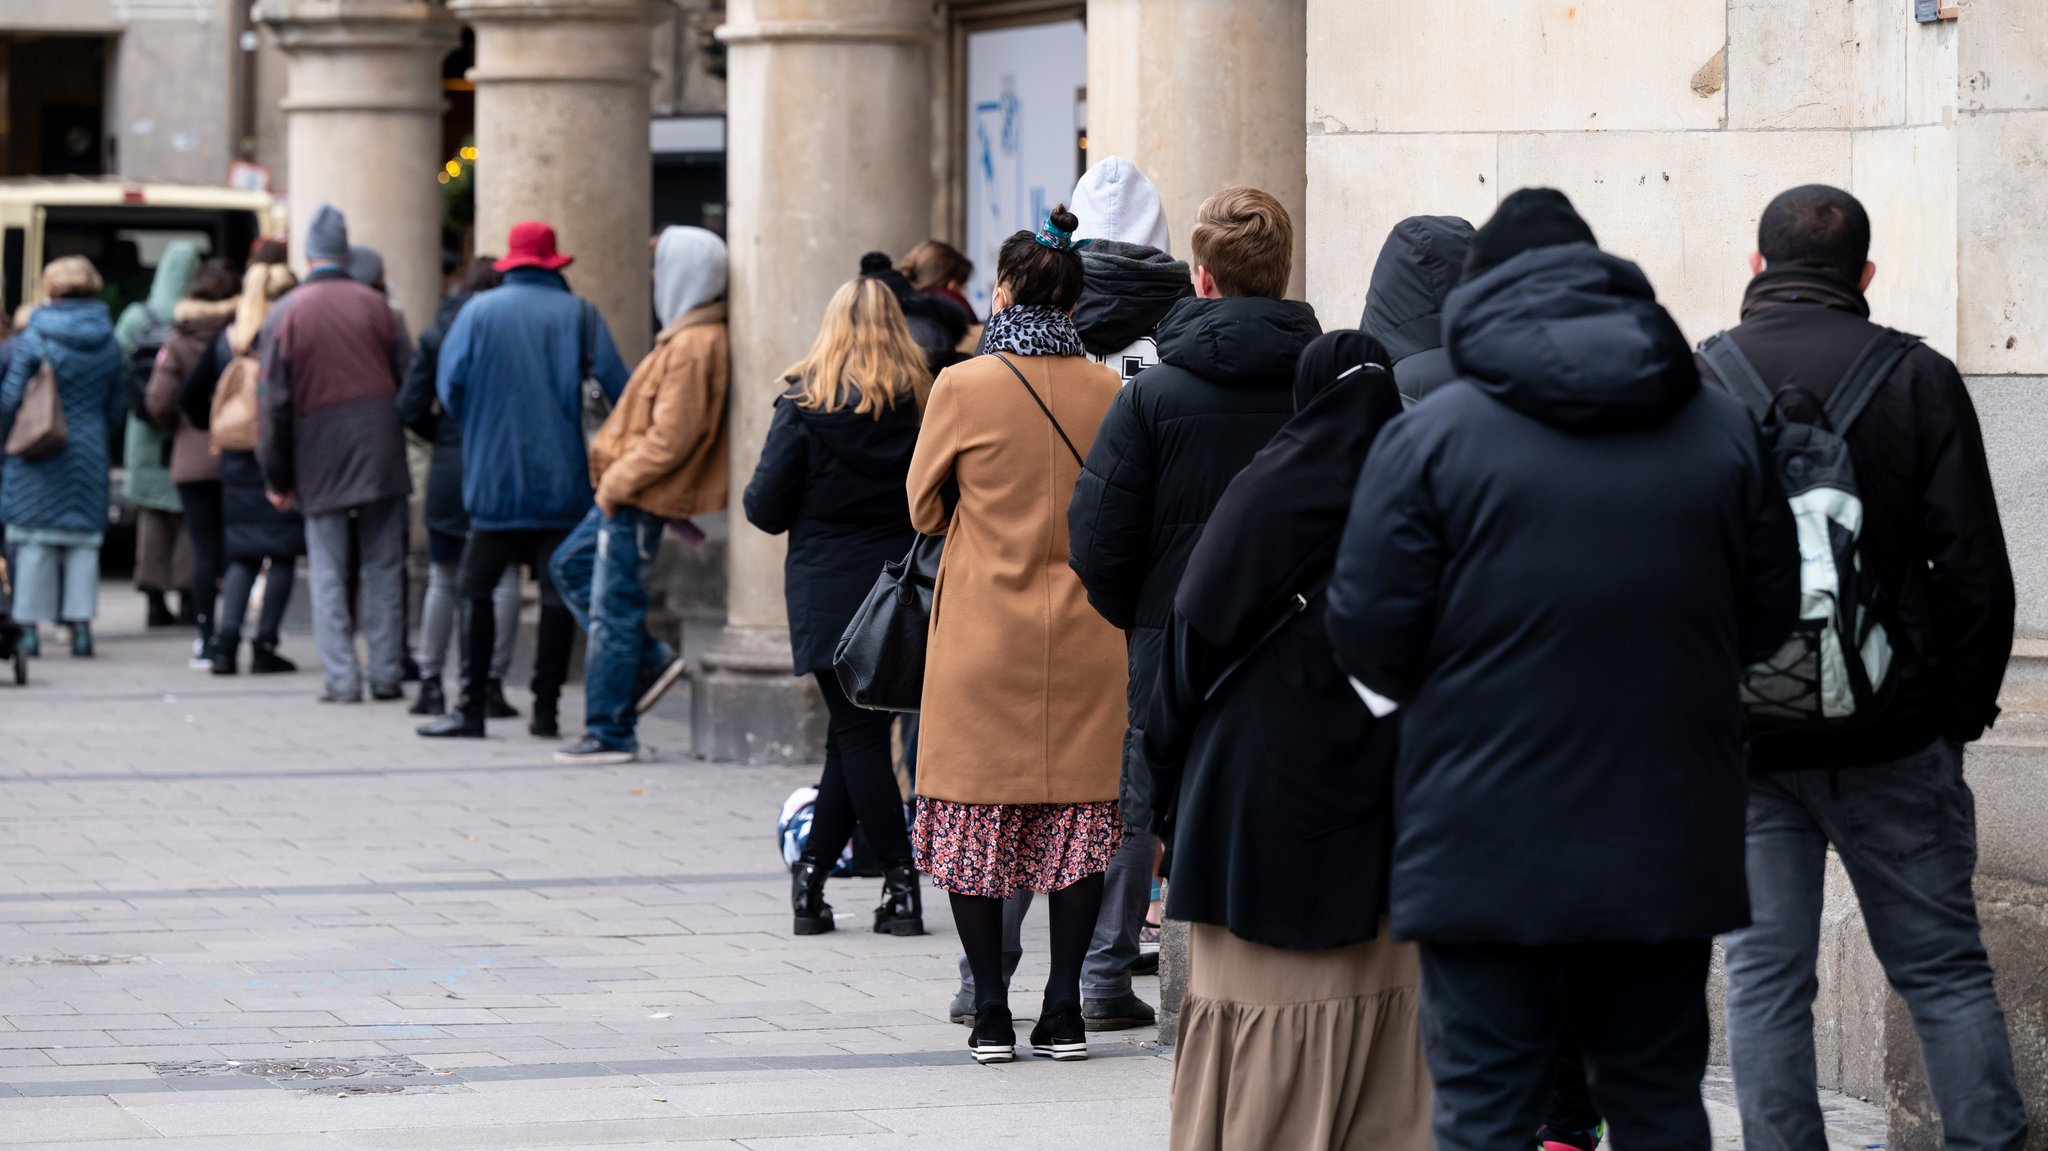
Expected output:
(1737, 375)
(1870, 369)
(586, 342)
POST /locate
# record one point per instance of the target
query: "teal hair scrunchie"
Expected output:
(1053, 236)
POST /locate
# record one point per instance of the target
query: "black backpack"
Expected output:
(1831, 673)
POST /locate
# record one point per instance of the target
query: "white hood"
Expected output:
(689, 271)
(1114, 201)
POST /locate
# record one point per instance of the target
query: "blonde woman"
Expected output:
(832, 476)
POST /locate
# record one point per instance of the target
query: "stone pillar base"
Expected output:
(747, 708)
(1173, 977)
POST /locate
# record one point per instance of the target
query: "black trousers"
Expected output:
(1493, 1014)
(484, 559)
(208, 530)
(858, 785)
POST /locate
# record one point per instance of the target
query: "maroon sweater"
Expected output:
(333, 353)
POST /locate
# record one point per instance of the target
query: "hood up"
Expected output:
(878, 449)
(1127, 289)
(1571, 336)
(689, 271)
(1420, 263)
(1114, 201)
(1237, 339)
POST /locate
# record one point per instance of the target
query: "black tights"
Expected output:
(1072, 912)
(858, 784)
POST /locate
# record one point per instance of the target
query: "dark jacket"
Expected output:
(937, 324)
(1126, 290)
(1931, 535)
(511, 373)
(1171, 443)
(332, 358)
(1283, 774)
(66, 490)
(251, 528)
(1559, 565)
(420, 408)
(835, 481)
(1418, 266)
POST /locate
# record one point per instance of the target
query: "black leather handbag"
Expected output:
(880, 656)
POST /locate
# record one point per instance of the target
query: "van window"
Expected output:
(13, 252)
(126, 243)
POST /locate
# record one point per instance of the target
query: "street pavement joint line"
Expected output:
(594, 882)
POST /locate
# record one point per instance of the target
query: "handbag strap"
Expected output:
(1041, 405)
(586, 341)
(1295, 605)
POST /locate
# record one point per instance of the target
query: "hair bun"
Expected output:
(1064, 220)
(875, 263)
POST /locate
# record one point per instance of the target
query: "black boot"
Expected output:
(264, 660)
(224, 651)
(496, 706)
(464, 721)
(433, 699)
(902, 909)
(160, 613)
(546, 723)
(807, 899)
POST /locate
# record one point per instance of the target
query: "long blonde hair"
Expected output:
(262, 284)
(865, 346)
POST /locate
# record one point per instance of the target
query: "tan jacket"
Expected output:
(663, 449)
(197, 323)
(1024, 681)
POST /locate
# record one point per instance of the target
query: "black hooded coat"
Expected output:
(1283, 773)
(1175, 438)
(1126, 290)
(1560, 565)
(836, 482)
(1420, 263)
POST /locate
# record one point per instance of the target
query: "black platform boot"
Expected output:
(902, 909)
(807, 899)
(264, 660)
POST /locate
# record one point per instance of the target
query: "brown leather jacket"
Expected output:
(663, 449)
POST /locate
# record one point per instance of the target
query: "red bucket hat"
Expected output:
(532, 245)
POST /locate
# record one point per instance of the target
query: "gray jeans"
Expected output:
(1906, 832)
(1126, 893)
(442, 607)
(380, 528)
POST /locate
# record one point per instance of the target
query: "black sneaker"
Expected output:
(994, 1038)
(591, 749)
(652, 690)
(1060, 1034)
(1118, 1014)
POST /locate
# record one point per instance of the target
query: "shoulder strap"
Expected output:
(587, 340)
(1295, 605)
(1870, 369)
(1041, 405)
(1738, 376)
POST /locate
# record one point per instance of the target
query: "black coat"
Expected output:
(1126, 289)
(1931, 534)
(1175, 438)
(835, 481)
(1276, 794)
(251, 527)
(420, 409)
(1560, 564)
(1420, 263)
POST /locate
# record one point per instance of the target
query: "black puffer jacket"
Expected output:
(1560, 565)
(1420, 263)
(421, 410)
(1126, 290)
(835, 481)
(1931, 533)
(1175, 438)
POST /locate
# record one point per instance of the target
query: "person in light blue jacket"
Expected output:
(511, 373)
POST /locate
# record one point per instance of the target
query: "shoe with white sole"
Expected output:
(593, 750)
(1060, 1033)
(994, 1038)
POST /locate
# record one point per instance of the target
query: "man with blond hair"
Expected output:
(1176, 437)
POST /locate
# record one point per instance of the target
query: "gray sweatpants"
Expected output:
(380, 529)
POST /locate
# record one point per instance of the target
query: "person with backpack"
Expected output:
(512, 373)
(162, 560)
(1556, 568)
(1919, 595)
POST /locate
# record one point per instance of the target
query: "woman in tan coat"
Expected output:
(1023, 721)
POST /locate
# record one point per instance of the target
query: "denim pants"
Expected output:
(56, 583)
(600, 572)
(1906, 833)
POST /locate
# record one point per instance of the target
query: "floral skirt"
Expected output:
(998, 849)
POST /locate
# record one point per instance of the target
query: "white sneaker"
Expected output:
(199, 662)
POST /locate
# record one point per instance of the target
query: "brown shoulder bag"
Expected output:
(39, 430)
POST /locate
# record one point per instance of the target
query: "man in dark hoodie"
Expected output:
(1420, 263)
(1176, 437)
(1558, 568)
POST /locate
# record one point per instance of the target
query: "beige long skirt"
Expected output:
(1304, 1050)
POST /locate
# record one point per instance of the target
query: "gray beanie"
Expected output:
(366, 265)
(327, 235)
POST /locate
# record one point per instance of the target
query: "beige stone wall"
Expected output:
(174, 110)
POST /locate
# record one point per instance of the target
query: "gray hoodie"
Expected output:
(689, 271)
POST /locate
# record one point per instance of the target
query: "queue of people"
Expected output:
(1461, 677)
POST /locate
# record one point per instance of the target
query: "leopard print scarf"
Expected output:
(1031, 330)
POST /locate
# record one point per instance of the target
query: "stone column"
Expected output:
(1202, 95)
(561, 136)
(829, 156)
(363, 118)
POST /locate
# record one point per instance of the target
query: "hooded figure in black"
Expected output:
(1420, 263)
(1132, 278)
(1558, 567)
(937, 326)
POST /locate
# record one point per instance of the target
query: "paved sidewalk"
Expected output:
(233, 919)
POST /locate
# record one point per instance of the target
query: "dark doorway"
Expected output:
(55, 89)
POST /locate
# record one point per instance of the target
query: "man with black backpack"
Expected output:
(1919, 598)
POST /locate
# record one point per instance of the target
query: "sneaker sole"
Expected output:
(669, 676)
(1061, 1052)
(994, 1053)
(600, 759)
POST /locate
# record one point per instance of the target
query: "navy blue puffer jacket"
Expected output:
(66, 491)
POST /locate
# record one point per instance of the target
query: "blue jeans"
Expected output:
(1906, 833)
(600, 572)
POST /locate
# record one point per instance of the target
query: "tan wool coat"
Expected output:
(663, 449)
(1024, 682)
